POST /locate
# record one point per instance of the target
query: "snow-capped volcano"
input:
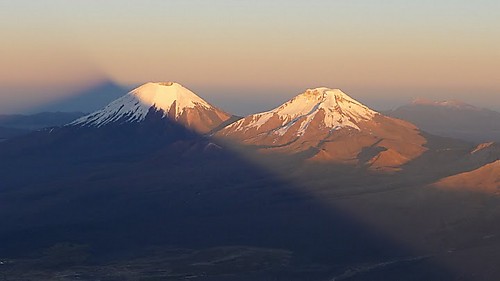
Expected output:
(327, 108)
(171, 100)
(329, 125)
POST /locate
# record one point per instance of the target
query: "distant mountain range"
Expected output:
(321, 125)
(62, 111)
(39, 120)
(19, 124)
(161, 167)
(452, 119)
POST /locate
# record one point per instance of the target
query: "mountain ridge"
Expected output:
(451, 119)
(483, 179)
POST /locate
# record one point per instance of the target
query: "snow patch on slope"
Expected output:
(482, 146)
(456, 104)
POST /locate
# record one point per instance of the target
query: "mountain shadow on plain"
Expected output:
(122, 188)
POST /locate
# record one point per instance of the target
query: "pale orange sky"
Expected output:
(374, 50)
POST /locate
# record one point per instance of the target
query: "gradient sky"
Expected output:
(248, 56)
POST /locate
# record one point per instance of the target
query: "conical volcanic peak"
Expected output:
(172, 99)
(328, 125)
(163, 95)
(330, 108)
(340, 109)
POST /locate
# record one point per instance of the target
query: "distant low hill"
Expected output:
(484, 179)
(39, 120)
(452, 119)
(60, 112)
(19, 124)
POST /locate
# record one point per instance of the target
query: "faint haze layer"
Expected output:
(381, 52)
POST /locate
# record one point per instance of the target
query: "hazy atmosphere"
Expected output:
(235, 140)
(248, 56)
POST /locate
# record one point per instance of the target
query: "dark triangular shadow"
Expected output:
(122, 189)
(87, 100)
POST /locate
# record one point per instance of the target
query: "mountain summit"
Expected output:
(321, 107)
(328, 125)
(164, 99)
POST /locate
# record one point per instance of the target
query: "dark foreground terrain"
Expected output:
(142, 207)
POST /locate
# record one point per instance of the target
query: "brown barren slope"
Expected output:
(485, 179)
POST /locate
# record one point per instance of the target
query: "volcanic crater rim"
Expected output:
(166, 83)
